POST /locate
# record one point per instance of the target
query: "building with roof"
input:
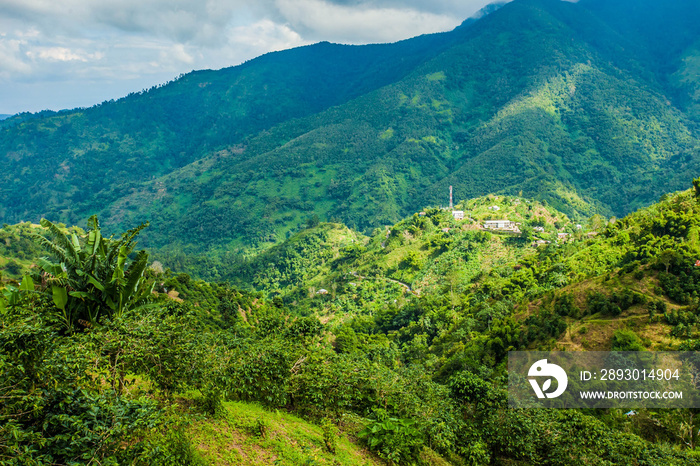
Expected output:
(506, 225)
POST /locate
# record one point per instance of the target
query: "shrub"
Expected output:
(566, 306)
(393, 439)
(626, 340)
(172, 449)
(211, 401)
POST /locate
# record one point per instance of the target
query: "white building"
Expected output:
(458, 214)
(500, 225)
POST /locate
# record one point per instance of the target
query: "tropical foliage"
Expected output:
(414, 370)
(311, 302)
(92, 277)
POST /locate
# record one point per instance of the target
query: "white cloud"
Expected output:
(184, 21)
(11, 62)
(177, 52)
(349, 24)
(81, 43)
(264, 36)
(63, 54)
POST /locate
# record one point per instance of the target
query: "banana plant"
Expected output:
(10, 295)
(92, 277)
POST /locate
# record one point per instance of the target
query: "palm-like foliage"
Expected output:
(92, 277)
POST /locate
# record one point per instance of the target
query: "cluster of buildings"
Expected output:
(495, 225)
(507, 226)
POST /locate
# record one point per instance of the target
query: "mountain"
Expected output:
(456, 301)
(566, 285)
(90, 154)
(575, 104)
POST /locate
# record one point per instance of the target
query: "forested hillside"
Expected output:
(578, 104)
(169, 126)
(290, 289)
(341, 348)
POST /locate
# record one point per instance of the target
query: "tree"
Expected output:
(596, 222)
(92, 277)
(668, 257)
(411, 261)
(313, 222)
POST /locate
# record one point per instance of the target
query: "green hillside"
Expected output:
(247, 434)
(557, 101)
(570, 129)
(68, 163)
(18, 250)
(381, 349)
(305, 297)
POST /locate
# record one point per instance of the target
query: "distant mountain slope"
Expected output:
(559, 101)
(518, 105)
(68, 163)
(645, 24)
(664, 51)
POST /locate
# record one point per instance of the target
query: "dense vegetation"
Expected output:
(284, 321)
(558, 101)
(396, 342)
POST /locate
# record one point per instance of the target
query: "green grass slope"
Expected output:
(247, 434)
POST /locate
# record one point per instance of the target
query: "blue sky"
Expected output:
(57, 54)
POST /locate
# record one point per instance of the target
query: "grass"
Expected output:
(247, 434)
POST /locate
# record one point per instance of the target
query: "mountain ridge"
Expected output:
(543, 97)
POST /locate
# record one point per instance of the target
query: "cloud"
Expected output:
(184, 21)
(360, 24)
(264, 36)
(62, 54)
(204, 22)
(81, 43)
(11, 63)
(177, 52)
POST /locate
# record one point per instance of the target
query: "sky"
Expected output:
(58, 54)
